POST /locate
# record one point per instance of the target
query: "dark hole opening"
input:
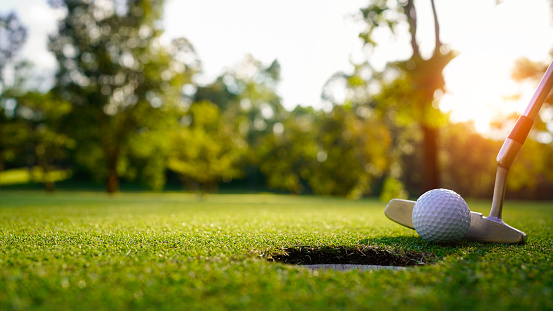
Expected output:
(361, 255)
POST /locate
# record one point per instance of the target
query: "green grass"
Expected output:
(90, 251)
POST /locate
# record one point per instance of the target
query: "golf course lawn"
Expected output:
(91, 251)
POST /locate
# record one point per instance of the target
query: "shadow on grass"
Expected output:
(399, 241)
(438, 251)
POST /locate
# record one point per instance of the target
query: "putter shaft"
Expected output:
(513, 143)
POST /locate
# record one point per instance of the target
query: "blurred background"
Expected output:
(356, 99)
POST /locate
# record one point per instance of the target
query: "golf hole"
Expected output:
(350, 258)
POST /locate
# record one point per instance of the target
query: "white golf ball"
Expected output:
(441, 216)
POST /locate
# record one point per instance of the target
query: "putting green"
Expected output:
(85, 251)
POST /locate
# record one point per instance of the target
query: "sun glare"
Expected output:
(479, 87)
(480, 90)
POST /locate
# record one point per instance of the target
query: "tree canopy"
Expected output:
(127, 105)
(115, 71)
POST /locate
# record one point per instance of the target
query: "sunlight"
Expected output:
(477, 88)
(480, 89)
(478, 80)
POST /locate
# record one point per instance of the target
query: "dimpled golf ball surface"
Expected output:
(441, 216)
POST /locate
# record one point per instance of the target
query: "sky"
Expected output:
(313, 39)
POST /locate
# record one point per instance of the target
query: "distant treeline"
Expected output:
(126, 105)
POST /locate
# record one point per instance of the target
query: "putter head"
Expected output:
(483, 229)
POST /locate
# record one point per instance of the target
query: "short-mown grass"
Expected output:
(90, 251)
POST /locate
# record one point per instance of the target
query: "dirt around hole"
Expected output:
(361, 255)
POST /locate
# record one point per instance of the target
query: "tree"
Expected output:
(287, 156)
(12, 38)
(407, 88)
(12, 132)
(253, 104)
(382, 130)
(118, 76)
(354, 153)
(42, 115)
(340, 152)
(469, 164)
(207, 150)
(247, 98)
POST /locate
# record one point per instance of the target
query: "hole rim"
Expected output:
(360, 255)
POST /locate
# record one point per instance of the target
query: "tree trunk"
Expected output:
(30, 161)
(46, 178)
(209, 187)
(411, 13)
(430, 168)
(112, 183)
(42, 161)
(438, 43)
(49, 185)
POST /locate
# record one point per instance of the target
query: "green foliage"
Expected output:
(126, 104)
(380, 14)
(411, 95)
(12, 131)
(146, 156)
(532, 171)
(256, 106)
(118, 76)
(470, 166)
(13, 36)
(43, 116)
(392, 189)
(356, 152)
(288, 155)
(532, 168)
(469, 161)
(31, 126)
(405, 92)
(207, 151)
(338, 153)
(249, 105)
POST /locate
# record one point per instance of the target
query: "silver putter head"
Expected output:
(483, 229)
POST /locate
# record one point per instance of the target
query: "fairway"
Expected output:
(92, 251)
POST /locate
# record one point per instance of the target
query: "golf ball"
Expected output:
(441, 216)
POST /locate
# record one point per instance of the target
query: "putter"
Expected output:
(492, 228)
